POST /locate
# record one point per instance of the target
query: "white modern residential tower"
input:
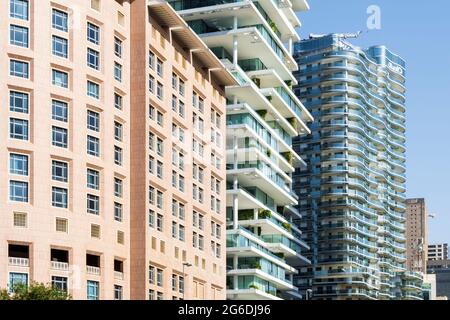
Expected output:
(254, 41)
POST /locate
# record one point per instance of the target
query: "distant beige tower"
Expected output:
(416, 235)
(112, 160)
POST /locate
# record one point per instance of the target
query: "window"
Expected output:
(93, 204)
(118, 292)
(160, 91)
(159, 200)
(151, 84)
(59, 137)
(118, 156)
(59, 197)
(118, 131)
(93, 90)
(174, 282)
(18, 129)
(93, 33)
(95, 231)
(181, 284)
(18, 102)
(118, 101)
(151, 60)
(16, 279)
(92, 290)
(118, 212)
(120, 237)
(20, 220)
(118, 72)
(60, 79)
(93, 121)
(60, 47)
(59, 283)
(159, 169)
(19, 69)
(59, 171)
(159, 67)
(118, 47)
(151, 219)
(93, 59)
(18, 164)
(95, 4)
(18, 191)
(93, 146)
(181, 88)
(60, 20)
(159, 222)
(18, 36)
(18, 9)
(118, 187)
(159, 277)
(93, 179)
(59, 111)
(61, 225)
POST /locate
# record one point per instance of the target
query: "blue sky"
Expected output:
(420, 33)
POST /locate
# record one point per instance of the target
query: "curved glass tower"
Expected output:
(353, 189)
(254, 40)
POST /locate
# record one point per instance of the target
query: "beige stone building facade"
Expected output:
(416, 235)
(86, 201)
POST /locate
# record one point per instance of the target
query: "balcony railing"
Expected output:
(118, 275)
(93, 270)
(62, 266)
(19, 262)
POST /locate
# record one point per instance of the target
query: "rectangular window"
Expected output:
(93, 146)
(92, 290)
(118, 292)
(160, 91)
(18, 191)
(93, 33)
(118, 156)
(60, 47)
(18, 102)
(18, 36)
(18, 9)
(93, 90)
(93, 204)
(159, 67)
(18, 164)
(118, 72)
(60, 20)
(59, 171)
(59, 197)
(118, 47)
(118, 212)
(93, 59)
(118, 187)
(19, 69)
(18, 129)
(118, 131)
(16, 279)
(60, 78)
(93, 121)
(59, 111)
(151, 219)
(151, 84)
(93, 179)
(59, 283)
(151, 60)
(59, 137)
(20, 220)
(159, 277)
(118, 101)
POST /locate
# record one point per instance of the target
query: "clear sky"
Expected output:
(420, 33)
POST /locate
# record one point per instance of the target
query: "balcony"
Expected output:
(93, 270)
(19, 255)
(19, 262)
(60, 266)
(118, 275)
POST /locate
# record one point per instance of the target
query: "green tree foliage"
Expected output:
(35, 291)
